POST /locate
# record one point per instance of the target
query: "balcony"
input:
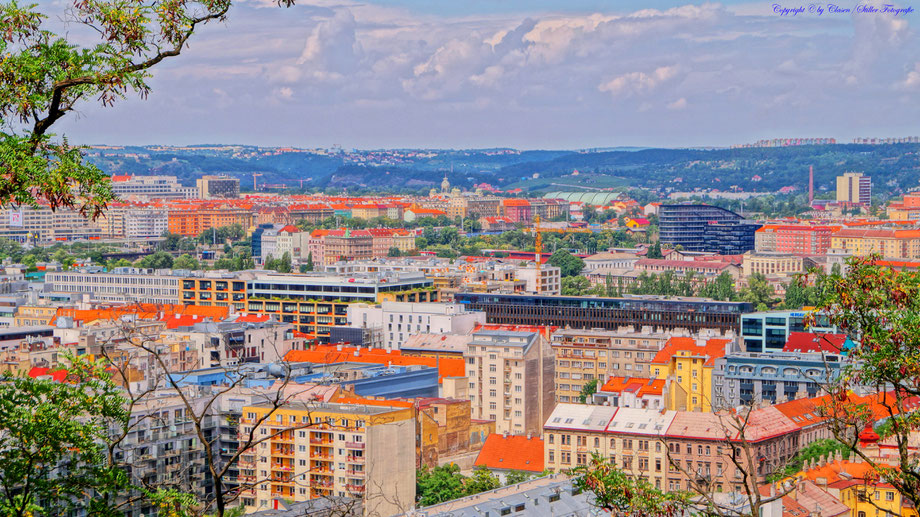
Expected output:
(356, 459)
(321, 441)
(354, 472)
(357, 489)
(354, 445)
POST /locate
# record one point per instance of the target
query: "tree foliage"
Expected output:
(46, 75)
(568, 264)
(439, 484)
(52, 436)
(624, 495)
(879, 308)
(589, 389)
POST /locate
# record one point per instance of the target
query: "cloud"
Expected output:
(638, 82)
(912, 81)
(679, 104)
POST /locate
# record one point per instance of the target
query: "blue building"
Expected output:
(769, 331)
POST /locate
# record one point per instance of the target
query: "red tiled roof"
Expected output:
(712, 350)
(56, 375)
(808, 342)
(327, 354)
(640, 386)
(514, 452)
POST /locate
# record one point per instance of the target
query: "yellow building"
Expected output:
(32, 315)
(895, 244)
(689, 366)
(311, 450)
(847, 481)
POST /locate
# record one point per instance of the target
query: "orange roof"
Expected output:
(514, 452)
(832, 470)
(640, 386)
(373, 402)
(515, 202)
(712, 350)
(327, 354)
(144, 311)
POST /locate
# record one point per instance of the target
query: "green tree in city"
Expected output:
(270, 263)
(514, 477)
(588, 390)
(45, 425)
(394, 252)
(575, 286)
(482, 480)
(624, 495)
(284, 264)
(48, 74)
(654, 251)
(721, 288)
(308, 266)
(185, 261)
(568, 264)
(439, 484)
(158, 260)
(758, 291)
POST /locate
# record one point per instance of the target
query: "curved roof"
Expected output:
(591, 198)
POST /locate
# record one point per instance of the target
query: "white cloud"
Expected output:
(912, 81)
(638, 82)
(679, 104)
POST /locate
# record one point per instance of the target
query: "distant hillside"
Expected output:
(894, 168)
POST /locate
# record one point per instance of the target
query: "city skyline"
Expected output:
(523, 74)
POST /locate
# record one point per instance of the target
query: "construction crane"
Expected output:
(254, 176)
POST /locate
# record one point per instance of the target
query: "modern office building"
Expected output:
(706, 228)
(854, 187)
(769, 331)
(316, 302)
(218, 187)
(657, 313)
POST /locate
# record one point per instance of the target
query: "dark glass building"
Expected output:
(607, 313)
(705, 228)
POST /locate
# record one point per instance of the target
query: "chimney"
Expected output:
(811, 184)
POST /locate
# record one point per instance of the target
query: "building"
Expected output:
(503, 453)
(854, 187)
(583, 356)
(30, 224)
(133, 222)
(907, 210)
(750, 378)
(215, 288)
(793, 239)
(517, 210)
(347, 245)
(769, 331)
(150, 187)
(123, 284)
(316, 302)
(400, 320)
(510, 379)
(633, 392)
(546, 279)
(190, 221)
(321, 449)
(218, 187)
(689, 365)
(774, 264)
(693, 314)
(705, 228)
(889, 243)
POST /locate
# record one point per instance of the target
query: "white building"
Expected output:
(550, 279)
(151, 187)
(400, 320)
(123, 284)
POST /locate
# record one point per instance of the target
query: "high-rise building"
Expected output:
(706, 228)
(151, 187)
(218, 187)
(854, 187)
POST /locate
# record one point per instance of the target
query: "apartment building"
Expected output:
(893, 244)
(321, 449)
(793, 239)
(689, 364)
(854, 187)
(510, 379)
(752, 378)
(123, 284)
(34, 315)
(215, 288)
(770, 330)
(191, 221)
(133, 222)
(543, 280)
(632, 439)
(151, 187)
(647, 443)
(401, 320)
(907, 210)
(46, 225)
(585, 355)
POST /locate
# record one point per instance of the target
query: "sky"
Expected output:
(529, 74)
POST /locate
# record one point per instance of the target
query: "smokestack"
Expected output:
(811, 184)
